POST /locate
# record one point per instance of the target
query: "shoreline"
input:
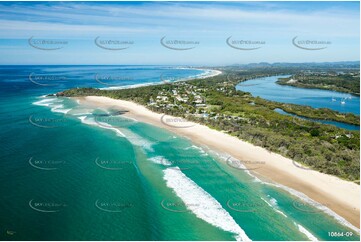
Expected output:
(211, 73)
(340, 196)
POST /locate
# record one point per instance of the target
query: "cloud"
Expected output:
(79, 19)
(210, 23)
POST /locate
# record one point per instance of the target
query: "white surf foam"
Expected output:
(209, 209)
(200, 149)
(46, 102)
(238, 164)
(80, 114)
(205, 74)
(137, 140)
(133, 119)
(110, 127)
(42, 103)
(235, 163)
(53, 103)
(160, 160)
(90, 121)
(273, 207)
(313, 203)
(86, 120)
(266, 202)
(130, 86)
(310, 236)
(59, 109)
(129, 135)
(273, 201)
(76, 111)
(301, 196)
(208, 73)
(280, 212)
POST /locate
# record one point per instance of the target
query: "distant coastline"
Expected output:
(207, 73)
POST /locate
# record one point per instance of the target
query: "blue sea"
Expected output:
(79, 172)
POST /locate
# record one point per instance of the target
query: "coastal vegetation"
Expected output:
(348, 82)
(215, 102)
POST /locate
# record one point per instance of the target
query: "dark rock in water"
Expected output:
(118, 112)
(51, 95)
(60, 94)
(113, 113)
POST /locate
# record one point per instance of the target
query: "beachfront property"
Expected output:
(190, 99)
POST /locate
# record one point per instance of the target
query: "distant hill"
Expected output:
(308, 65)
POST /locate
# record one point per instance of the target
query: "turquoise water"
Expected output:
(76, 172)
(267, 88)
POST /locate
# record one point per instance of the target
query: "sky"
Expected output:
(144, 33)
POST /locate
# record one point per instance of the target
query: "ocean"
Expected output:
(77, 172)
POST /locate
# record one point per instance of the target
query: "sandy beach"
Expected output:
(342, 197)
